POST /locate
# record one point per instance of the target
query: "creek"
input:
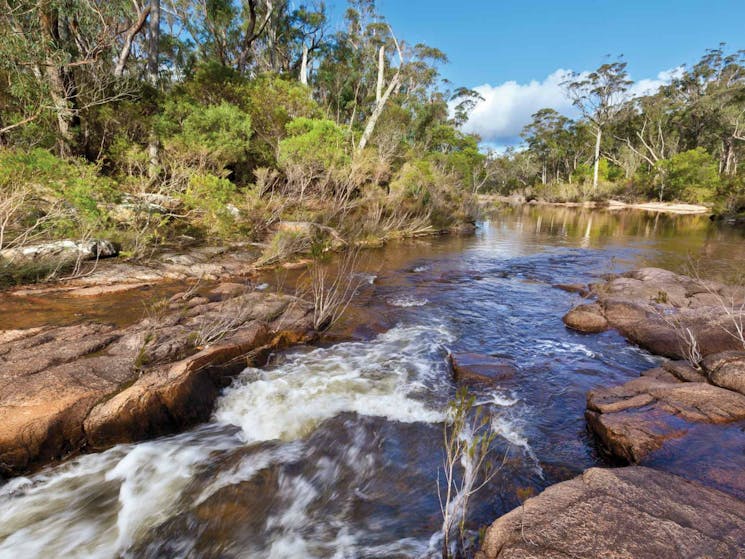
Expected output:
(334, 450)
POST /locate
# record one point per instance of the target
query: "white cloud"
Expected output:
(508, 107)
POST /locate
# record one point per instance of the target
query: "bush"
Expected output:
(50, 181)
(316, 144)
(211, 199)
(214, 137)
(272, 103)
(690, 176)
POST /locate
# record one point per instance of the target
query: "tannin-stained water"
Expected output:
(335, 451)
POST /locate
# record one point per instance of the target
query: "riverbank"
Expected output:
(154, 362)
(650, 206)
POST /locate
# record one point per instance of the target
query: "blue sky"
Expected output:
(493, 43)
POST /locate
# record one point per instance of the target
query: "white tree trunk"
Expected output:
(304, 67)
(153, 67)
(597, 159)
(373, 120)
(381, 75)
(128, 39)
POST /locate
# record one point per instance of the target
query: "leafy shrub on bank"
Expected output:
(690, 176)
(215, 137)
(316, 144)
(210, 202)
(73, 187)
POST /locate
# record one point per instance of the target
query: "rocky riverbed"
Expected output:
(91, 385)
(335, 447)
(699, 389)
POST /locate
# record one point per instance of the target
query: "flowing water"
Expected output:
(335, 451)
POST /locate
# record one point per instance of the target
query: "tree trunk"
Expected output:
(597, 160)
(63, 109)
(128, 39)
(153, 66)
(61, 82)
(373, 120)
(304, 67)
(381, 75)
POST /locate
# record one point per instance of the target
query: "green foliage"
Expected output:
(272, 103)
(690, 176)
(584, 172)
(78, 185)
(211, 199)
(215, 136)
(423, 187)
(315, 144)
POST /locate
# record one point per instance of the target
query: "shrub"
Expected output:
(272, 103)
(51, 181)
(209, 199)
(316, 144)
(689, 176)
(213, 137)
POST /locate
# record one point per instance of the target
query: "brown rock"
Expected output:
(727, 370)
(624, 513)
(586, 318)
(475, 368)
(656, 309)
(91, 385)
(638, 417)
(682, 370)
(579, 288)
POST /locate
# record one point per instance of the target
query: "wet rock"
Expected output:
(637, 418)
(682, 370)
(90, 386)
(479, 369)
(579, 288)
(586, 318)
(661, 311)
(227, 290)
(624, 513)
(726, 370)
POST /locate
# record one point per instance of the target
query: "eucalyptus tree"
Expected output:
(546, 136)
(58, 56)
(599, 95)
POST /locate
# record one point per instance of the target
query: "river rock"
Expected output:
(661, 311)
(479, 369)
(623, 513)
(61, 250)
(726, 370)
(637, 418)
(579, 288)
(586, 318)
(89, 386)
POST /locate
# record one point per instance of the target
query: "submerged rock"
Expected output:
(624, 513)
(90, 386)
(637, 418)
(579, 288)
(479, 369)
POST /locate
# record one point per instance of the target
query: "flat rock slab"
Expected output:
(637, 418)
(660, 310)
(480, 369)
(90, 386)
(624, 513)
